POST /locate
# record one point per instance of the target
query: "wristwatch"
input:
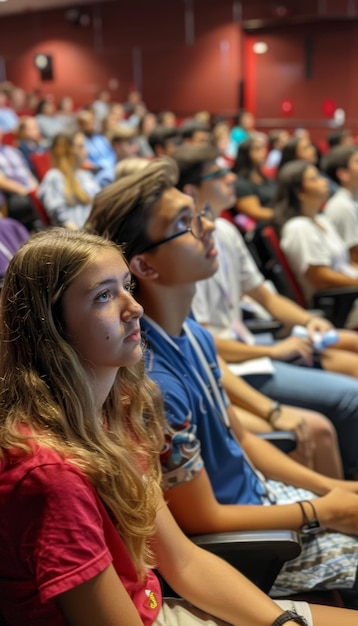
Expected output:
(274, 413)
(310, 526)
(289, 616)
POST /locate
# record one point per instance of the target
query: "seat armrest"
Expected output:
(257, 326)
(284, 440)
(336, 303)
(259, 555)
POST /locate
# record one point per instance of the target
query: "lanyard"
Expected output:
(223, 281)
(221, 413)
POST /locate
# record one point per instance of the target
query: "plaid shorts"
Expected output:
(180, 613)
(328, 560)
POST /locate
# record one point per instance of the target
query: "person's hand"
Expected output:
(292, 348)
(292, 419)
(33, 188)
(338, 510)
(22, 190)
(346, 485)
(318, 325)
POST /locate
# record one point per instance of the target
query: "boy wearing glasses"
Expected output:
(211, 465)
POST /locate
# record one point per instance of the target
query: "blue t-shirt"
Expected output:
(202, 437)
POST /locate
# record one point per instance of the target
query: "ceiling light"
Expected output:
(260, 47)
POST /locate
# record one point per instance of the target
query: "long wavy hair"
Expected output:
(289, 151)
(287, 203)
(63, 159)
(243, 164)
(46, 397)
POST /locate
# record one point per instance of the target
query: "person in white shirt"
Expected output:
(341, 166)
(317, 255)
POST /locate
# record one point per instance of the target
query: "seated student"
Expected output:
(99, 150)
(216, 304)
(66, 190)
(243, 129)
(8, 117)
(66, 114)
(101, 106)
(167, 119)
(210, 464)
(341, 166)
(193, 132)
(340, 137)
(12, 235)
(78, 538)
(125, 145)
(29, 140)
(317, 255)
(254, 192)
(277, 140)
(164, 140)
(16, 184)
(147, 124)
(298, 147)
(47, 120)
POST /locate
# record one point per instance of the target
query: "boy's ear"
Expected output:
(342, 174)
(190, 190)
(141, 268)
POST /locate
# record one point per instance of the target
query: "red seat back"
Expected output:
(39, 207)
(271, 238)
(41, 162)
(9, 139)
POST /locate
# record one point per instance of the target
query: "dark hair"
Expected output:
(337, 158)
(191, 161)
(162, 114)
(189, 128)
(289, 183)
(160, 135)
(289, 151)
(334, 139)
(239, 117)
(41, 105)
(243, 164)
(273, 138)
(122, 209)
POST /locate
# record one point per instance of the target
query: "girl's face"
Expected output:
(258, 153)
(101, 317)
(78, 148)
(314, 186)
(306, 151)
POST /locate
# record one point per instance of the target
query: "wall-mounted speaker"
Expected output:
(43, 63)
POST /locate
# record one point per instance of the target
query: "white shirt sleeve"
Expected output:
(302, 245)
(342, 212)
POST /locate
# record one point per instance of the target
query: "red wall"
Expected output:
(281, 74)
(188, 69)
(145, 42)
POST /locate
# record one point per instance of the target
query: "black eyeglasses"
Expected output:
(220, 173)
(195, 228)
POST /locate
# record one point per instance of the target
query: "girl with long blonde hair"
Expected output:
(68, 187)
(82, 517)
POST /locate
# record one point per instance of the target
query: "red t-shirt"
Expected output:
(55, 534)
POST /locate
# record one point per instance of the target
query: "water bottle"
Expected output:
(320, 340)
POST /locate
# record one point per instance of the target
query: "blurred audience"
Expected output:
(47, 120)
(67, 190)
(30, 140)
